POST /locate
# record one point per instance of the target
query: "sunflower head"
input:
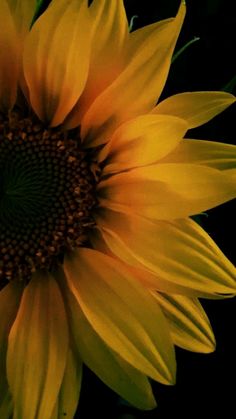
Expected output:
(47, 195)
(100, 260)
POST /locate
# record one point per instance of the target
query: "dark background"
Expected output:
(205, 383)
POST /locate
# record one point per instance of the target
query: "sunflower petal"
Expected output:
(179, 251)
(9, 59)
(142, 141)
(208, 153)
(70, 388)
(141, 83)
(196, 108)
(110, 32)
(22, 12)
(37, 349)
(167, 191)
(147, 278)
(56, 59)
(9, 302)
(116, 373)
(121, 311)
(189, 324)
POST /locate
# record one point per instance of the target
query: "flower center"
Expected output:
(47, 194)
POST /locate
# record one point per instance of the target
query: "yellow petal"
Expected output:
(167, 191)
(22, 12)
(116, 373)
(9, 58)
(121, 311)
(110, 32)
(189, 324)
(196, 108)
(232, 174)
(179, 251)
(55, 412)
(142, 141)
(56, 59)
(9, 302)
(150, 279)
(37, 349)
(147, 278)
(70, 388)
(138, 87)
(209, 153)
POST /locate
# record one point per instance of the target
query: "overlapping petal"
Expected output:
(189, 324)
(142, 274)
(121, 312)
(9, 302)
(9, 59)
(142, 141)
(55, 75)
(179, 251)
(208, 153)
(196, 108)
(22, 12)
(108, 54)
(148, 191)
(37, 349)
(141, 82)
(128, 382)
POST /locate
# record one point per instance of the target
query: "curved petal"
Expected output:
(37, 349)
(56, 59)
(121, 311)
(22, 12)
(70, 388)
(110, 36)
(167, 191)
(147, 278)
(196, 108)
(142, 141)
(138, 87)
(9, 302)
(189, 324)
(9, 58)
(179, 251)
(208, 153)
(116, 373)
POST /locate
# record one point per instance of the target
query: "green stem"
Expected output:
(181, 50)
(132, 22)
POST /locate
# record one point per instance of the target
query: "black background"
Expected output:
(205, 383)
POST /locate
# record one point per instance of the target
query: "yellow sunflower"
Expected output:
(100, 262)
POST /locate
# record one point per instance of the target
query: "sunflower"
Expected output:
(100, 260)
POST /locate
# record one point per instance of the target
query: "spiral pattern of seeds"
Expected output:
(47, 194)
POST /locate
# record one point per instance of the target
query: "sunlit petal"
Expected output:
(141, 82)
(142, 141)
(179, 251)
(196, 108)
(56, 76)
(121, 312)
(208, 153)
(148, 191)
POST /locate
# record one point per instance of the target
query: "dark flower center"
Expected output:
(47, 194)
